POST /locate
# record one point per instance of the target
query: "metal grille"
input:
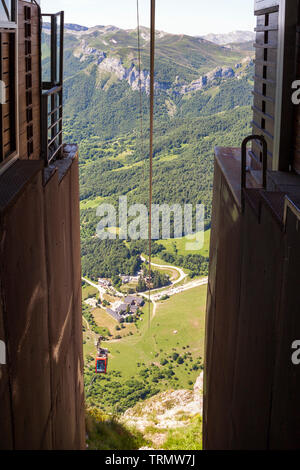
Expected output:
(52, 94)
(28, 79)
(52, 123)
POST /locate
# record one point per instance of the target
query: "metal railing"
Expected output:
(52, 113)
(244, 167)
(52, 90)
(290, 206)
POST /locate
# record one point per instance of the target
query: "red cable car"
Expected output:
(101, 359)
(101, 365)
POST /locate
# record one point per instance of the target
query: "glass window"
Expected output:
(52, 27)
(7, 8)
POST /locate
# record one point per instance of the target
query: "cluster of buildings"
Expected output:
(128, 306)
(126, 278)
(104, 282)
(92, 302)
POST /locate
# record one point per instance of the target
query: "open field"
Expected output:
(104, 320)
(127, 288)
(148, 354)
(89, 291)
(91, 203)
(109, 298)
(180, 244)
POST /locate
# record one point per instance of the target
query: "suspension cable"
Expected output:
(152, 58)
(140, 83)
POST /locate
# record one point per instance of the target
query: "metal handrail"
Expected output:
(52, 111)
(244, 162)
(51, 145)
(52, 91)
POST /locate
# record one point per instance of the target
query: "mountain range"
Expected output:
(105, 56)
(218, 38)
(180, 59)
(202, 99)
(200, 89)
(230, 38)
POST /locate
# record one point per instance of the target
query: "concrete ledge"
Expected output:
(70, 152)
(288, 183)
(229, 161)
(15, 179)
(279, 183)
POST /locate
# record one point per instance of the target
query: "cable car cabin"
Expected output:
(101, 365)
(101, 359)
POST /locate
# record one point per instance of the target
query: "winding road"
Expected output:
(99, 288)
(182, 274)
(171, 290)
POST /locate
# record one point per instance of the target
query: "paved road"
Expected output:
(182, 274)
(176, 290)
(99, 288)
(146, 296)
(171, 290)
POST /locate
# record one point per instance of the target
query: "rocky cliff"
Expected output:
(115, 66)
(169, 410)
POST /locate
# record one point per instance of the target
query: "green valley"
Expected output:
(202, 100)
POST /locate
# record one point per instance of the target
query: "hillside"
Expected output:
(203, 98)
(101, 75)
(169, 417)
(171, 420)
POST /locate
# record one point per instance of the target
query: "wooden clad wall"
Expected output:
(296, 138)
(8, 110)
(251, 386)
(267, 13)
(29, 80)
(41, 387)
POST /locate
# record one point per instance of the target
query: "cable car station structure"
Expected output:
(251, 385)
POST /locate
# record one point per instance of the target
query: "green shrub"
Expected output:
(106, 433)
(187, 438)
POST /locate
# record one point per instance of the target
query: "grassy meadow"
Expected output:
(184, 314)
(179, 245)
(146, 360)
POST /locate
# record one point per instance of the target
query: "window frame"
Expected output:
(286, 55)
(11, 24)
(10, 159)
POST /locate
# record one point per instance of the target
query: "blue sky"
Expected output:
(194, 17)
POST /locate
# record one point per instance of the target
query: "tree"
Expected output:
(141, 286)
